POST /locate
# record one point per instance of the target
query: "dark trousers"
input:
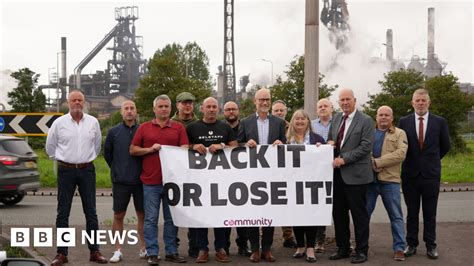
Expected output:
(84, 180)
(220, 238)
(426, 190)
(267, 238)
(350, 198)
(305, 236)
(242, 237)
(193, 249)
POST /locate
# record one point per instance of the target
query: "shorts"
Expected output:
(122, 193)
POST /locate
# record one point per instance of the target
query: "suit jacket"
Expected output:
(248, 129)
(425, 162)
(356, 148)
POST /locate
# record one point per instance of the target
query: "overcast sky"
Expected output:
(274, 30)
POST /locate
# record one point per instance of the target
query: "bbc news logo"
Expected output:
(66, 237)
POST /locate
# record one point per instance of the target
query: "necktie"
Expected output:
(420, 133)
(340, 134)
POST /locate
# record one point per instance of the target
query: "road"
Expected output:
(41, 210)
(455, 234)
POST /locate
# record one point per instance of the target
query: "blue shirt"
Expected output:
(379, 137)
(320, 129)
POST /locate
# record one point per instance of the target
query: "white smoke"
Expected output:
(355, 69)
(7, 83)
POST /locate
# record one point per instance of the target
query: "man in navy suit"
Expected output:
(261, 128)
(428, 142)
(352, 134)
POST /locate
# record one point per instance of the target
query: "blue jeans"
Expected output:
(84, 180)
(153, 196)
(390, 193)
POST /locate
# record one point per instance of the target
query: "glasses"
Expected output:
(264, 99)
(230, 110)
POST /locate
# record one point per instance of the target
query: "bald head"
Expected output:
(209, 109)
(384, 117)
(324, 109)
(128, 112)
(231, 112)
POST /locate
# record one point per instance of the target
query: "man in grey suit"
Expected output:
(261, 128)
(352, 134)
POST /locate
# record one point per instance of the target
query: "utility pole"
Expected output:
(311, 57)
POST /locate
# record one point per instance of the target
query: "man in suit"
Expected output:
(261, 128)
(352, 134)
(428, 142)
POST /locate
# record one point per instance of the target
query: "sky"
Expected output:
(264, 29)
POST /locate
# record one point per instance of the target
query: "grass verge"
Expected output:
(457, 168)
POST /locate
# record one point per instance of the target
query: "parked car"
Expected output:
(18, 169)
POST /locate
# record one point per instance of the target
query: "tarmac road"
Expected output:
(455, 232)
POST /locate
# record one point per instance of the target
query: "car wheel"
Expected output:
(12, 200)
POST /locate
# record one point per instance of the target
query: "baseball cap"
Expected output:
(185, 96)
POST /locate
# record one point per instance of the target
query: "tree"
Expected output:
(291, 91)
(447, 100)
(26, 97)
(450, 102)
(397, 90)
(172, 70)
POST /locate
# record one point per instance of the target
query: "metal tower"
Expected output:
(127, 65)
(335, 18)
(229, 65)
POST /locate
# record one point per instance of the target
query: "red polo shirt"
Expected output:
(149, 133)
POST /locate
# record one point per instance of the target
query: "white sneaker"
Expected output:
(116, 257)
(142, 254)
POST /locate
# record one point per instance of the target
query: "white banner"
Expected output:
(285, 185)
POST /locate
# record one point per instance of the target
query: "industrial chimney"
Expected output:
(389, 46)
(431, 33)
(62, 72)
(433, 67)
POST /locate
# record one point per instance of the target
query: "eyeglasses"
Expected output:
(264, 99)
(231, 110)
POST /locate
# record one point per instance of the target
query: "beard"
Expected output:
(231, 119)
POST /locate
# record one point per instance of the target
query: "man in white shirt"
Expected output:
(74, 142)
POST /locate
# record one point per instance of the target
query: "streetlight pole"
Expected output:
(269, 61)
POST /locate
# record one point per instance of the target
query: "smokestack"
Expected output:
(63, 60)
(389, 45)
(431, 32)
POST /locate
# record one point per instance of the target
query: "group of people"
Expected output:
(366, 163)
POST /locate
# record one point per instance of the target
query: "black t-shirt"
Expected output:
(208, 134)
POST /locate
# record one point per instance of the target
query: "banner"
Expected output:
(284, 185)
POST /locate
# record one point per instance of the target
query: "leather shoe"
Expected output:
(311, 259)
(203, 256)
(59, 260)
(244, 251)
(432, 253)
(255, 257)
(97, 257)
(176, 258)
(359, 258)
(410, 251)
(267, 256)
(340, 255)
(221, 256)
